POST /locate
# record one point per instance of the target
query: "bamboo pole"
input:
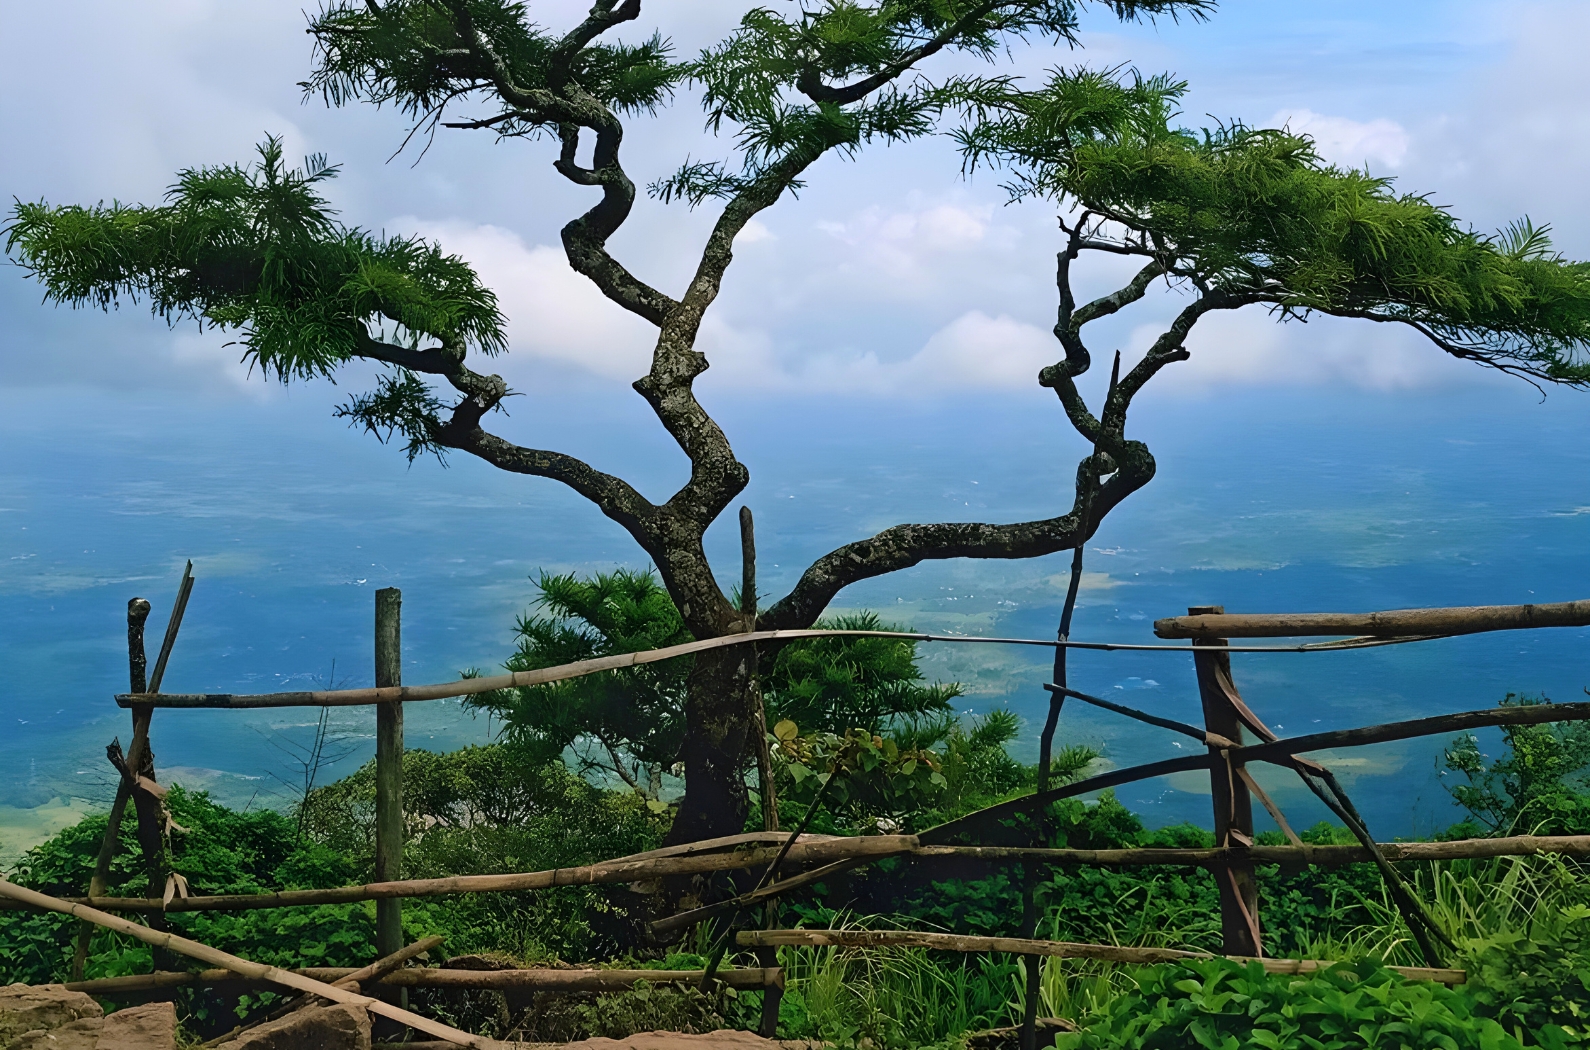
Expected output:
(537, 980)
(868, 847)
(257, 971)
(1232, 805)
(1324, 856)
(547, 675)
(1469, 619)
(821, 852)
(1520, 715)
(951, 942)
(1280, 752)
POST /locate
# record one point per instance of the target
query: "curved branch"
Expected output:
(585, 238)
(462, 431)
(811, 85)
(1118, 467)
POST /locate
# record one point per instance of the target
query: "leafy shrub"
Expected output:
(1223, 1005)
(1540, 785)
(1536, 979)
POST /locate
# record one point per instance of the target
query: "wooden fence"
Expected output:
(791, 861)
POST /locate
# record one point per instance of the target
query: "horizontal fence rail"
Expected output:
(1468, 619)
(826, 850)
(1373, 629)
(1280, 752)
(540, 979)
(1058, 949)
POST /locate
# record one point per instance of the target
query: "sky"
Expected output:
(892, 276)
(876, 343)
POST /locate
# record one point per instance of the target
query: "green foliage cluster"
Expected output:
(489, 809)
(630, 724)
(219, 851)
(835, 683)
(829, 76)
(1253, 215)
(1540, 785)
(1223, 1005)
(257, 250)
(415, 55)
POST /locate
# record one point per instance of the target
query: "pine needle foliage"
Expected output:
(416, 55)
(257, 250)
(1255, 215)
(830, 76)
(838, 683)
(631, 722)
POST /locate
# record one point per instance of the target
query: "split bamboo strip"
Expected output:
(540, 980)
(1470, 619)
(821, 851)
(548, 980)
(1062, 949)
(547, 675)
(471, 686)
(258, 971)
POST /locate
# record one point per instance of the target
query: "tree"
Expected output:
(631, 723)
(1232, 217)
(1540, 785)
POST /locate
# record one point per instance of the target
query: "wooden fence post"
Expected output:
(1233, 808)
(389, 832)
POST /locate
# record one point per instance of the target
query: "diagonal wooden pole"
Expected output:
(257, 971)
(374, 972)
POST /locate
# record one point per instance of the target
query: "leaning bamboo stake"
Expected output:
(822, 851)
(1062, 949)
(258, 971)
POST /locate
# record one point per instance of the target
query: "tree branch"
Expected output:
(1117, 468)
(462, 431)
(810, 81)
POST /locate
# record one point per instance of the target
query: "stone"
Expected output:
(341, 1026)
(152, 1026)
(82, 1034)
(42, 1007)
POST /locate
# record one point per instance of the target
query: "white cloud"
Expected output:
(1251, 348)
(974, 351)
(752, 232)
(910, 251)
(553, 313)
(1349, 143)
